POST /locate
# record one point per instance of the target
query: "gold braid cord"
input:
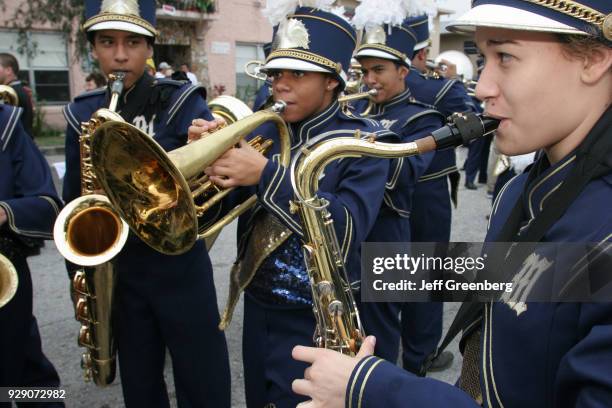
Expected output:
(581, 12)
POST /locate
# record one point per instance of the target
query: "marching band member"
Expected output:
(430, 220)
(539, 354)
(28, 207)
(307, 71)
(385, 62)
(161, 301)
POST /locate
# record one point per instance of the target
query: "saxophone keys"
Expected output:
(80, 283)
(85, 337)
(82, 310)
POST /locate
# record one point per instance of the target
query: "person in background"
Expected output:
(190, 75)
(9, 69)
(94, 80)
(150, 68)
(164, 71)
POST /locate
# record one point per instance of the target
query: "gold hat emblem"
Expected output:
(293, 34)
(375, 35)
(120, 7)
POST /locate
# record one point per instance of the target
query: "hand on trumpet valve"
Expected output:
(201, 128)
(240, 166)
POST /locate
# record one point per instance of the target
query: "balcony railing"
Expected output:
(200, 6)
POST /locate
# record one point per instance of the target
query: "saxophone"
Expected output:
(338, 324)
(89, 233)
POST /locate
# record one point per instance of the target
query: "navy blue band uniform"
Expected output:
(529, 354)
(431, 203)
(410, 120)
(29, 199)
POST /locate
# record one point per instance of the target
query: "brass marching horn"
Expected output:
(8, 96)
(89, 233)
(8, 281)
(154, 191)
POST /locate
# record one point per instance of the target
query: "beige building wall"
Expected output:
(238, 22)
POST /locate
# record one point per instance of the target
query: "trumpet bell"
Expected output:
(88, 232)
(8, 281)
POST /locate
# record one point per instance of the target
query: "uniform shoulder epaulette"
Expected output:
(180, 91)
(168, 81)
(9, 116)
(82, 107)
(413, 101)
(427, 112)
(89, 94)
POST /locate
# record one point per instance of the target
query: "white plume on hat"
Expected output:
(277, 10)
(373, 13)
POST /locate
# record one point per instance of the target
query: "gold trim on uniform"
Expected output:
(305, 56)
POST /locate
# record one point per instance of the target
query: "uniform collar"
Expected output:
(547, 180)
(15, 82)
(301, 132)
(397, 100)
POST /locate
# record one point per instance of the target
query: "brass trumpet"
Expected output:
(8, 281)
(154, 191)
(345, 99)
(8, 96)
(253, 69)
(355, 76)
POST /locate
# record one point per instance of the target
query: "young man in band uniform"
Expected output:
(161, 301)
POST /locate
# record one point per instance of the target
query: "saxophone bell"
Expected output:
(9, 281)
(88, 232)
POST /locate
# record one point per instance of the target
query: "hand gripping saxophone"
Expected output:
(338, 323)
(89, 233)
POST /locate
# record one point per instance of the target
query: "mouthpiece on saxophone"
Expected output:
(462, 129)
